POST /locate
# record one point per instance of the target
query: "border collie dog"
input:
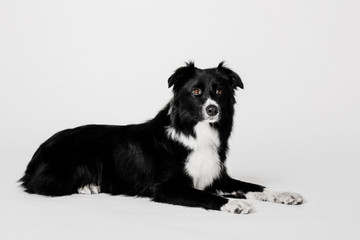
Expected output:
(178, 157)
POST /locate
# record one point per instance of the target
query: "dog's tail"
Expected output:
(30, 171)
(25, 180)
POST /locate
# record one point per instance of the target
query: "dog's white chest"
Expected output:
(203, 164)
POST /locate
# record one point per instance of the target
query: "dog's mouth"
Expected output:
(212, 119)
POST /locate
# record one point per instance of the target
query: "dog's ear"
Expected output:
(181, 74)
(233, 77)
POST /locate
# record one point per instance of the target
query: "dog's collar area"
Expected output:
(205, 136)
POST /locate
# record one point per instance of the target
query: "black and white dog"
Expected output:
(178, 157)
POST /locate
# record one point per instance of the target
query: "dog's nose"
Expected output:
(212, 110)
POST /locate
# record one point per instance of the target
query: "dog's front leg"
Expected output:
(196, 198)
(230, 187)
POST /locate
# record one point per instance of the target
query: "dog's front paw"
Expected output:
(237, 206)
(278, 197)
(289, 198)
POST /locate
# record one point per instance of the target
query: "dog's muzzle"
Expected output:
(211, 111)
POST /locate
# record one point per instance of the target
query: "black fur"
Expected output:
(142, 160)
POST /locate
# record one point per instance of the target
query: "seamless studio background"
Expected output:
(70, 63)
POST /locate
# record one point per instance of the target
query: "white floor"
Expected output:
(331, 211)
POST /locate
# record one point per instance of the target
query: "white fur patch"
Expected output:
(237, 206)
(187, 141)
(89, 189)
(278, 197)
(208, 118)
(203, 164)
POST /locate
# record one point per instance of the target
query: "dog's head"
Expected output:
(203, 94)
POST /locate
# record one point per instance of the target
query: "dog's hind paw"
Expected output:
(89, 189)
(237, 206)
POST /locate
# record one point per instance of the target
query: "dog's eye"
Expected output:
(197, 91)
(219, 91)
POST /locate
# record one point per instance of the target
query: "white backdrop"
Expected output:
(69, 63)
